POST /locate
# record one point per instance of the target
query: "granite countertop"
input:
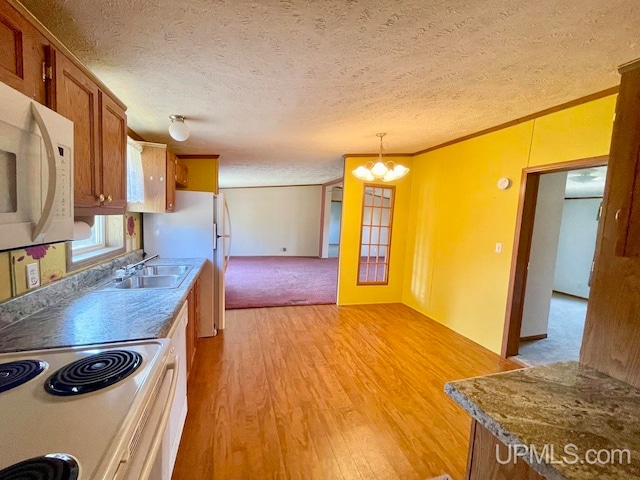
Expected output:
(103, 315)
(560, 405)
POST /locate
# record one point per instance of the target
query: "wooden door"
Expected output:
(77, 97)
(611, 341)
(113, 149)
(171, 182)
(22, 54)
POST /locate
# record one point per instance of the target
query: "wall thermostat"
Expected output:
(504, 183)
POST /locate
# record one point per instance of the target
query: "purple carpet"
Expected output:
(253, 282)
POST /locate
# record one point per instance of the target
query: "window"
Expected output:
(106, 241)
(375, 235)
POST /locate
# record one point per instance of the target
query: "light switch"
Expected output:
(33, 275)
(498, 248)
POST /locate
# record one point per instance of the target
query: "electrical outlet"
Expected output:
(284, 249)
(33, 275)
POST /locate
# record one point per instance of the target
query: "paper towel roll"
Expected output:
(81, 231)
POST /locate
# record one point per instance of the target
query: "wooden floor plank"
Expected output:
(329, 392)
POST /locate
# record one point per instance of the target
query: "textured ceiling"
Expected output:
(282, 89)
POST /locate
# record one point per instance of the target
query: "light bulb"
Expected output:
(379, 170)
(178, 129)
(390, 176)
(400, 171)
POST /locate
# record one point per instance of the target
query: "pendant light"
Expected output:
(380, 170)
(178, 129)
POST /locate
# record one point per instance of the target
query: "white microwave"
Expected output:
(36, 172)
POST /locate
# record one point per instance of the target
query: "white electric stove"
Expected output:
(81, 412)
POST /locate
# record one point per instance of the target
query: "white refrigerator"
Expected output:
(199, 227)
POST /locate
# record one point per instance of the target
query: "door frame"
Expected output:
(325, 187)
(522, 244)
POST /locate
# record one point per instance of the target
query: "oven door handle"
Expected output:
(147, 467)
(45, 219)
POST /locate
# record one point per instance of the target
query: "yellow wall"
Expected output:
(348, 290)
(203, 174)
(452, 273)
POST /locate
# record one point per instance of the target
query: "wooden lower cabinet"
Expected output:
(485, 450)
(192, 327)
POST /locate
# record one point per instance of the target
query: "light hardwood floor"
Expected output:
(329, 392)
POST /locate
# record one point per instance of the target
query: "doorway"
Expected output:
(553, 252)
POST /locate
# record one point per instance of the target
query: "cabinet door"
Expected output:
(171, 182)
(22, 54)
(76, 97)
(485, 449)
(113, 149)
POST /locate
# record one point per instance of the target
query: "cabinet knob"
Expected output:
(101, 197)
(171, 205)
(109, 199)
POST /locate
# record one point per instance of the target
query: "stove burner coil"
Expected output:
(93, 373)
(55, 466)
(13, 374)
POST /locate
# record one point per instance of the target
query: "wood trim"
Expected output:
(199, 157)
(520, 257)
(584, 198)
(532, 338)
(38, 25)
(274, 186)
(627, 67)
(533, 116)
(131, 133)
(589, 162)
(333, 182)
(522, 244)
(370, 155)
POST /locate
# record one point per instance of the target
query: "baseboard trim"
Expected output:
(533, 337)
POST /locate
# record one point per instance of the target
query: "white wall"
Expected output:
(544, 249)
(264, 220)
(576, 246)
(335, 218)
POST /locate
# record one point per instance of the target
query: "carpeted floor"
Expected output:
(253, 282)
(566, 325)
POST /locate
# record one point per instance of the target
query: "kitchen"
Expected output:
(589, 122)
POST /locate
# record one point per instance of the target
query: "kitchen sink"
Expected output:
(163, 270)
(148, 281)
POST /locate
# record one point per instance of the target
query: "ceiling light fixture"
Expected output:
(584, 177)
(178, 129)
(385, 171)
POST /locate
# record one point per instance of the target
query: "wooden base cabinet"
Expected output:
(192, 327)
(159, 167)
(484, 452)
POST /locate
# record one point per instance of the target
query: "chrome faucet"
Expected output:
(129, 269)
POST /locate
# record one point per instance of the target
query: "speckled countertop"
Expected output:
(103, 315)
(564, 404)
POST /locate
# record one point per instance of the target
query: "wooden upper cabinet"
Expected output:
(182, 175)
(22, 54)
(158, 166)
(113, 145)
(172, 166)
(77, 98)
(100, 139)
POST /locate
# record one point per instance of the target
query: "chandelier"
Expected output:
(385, 171)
